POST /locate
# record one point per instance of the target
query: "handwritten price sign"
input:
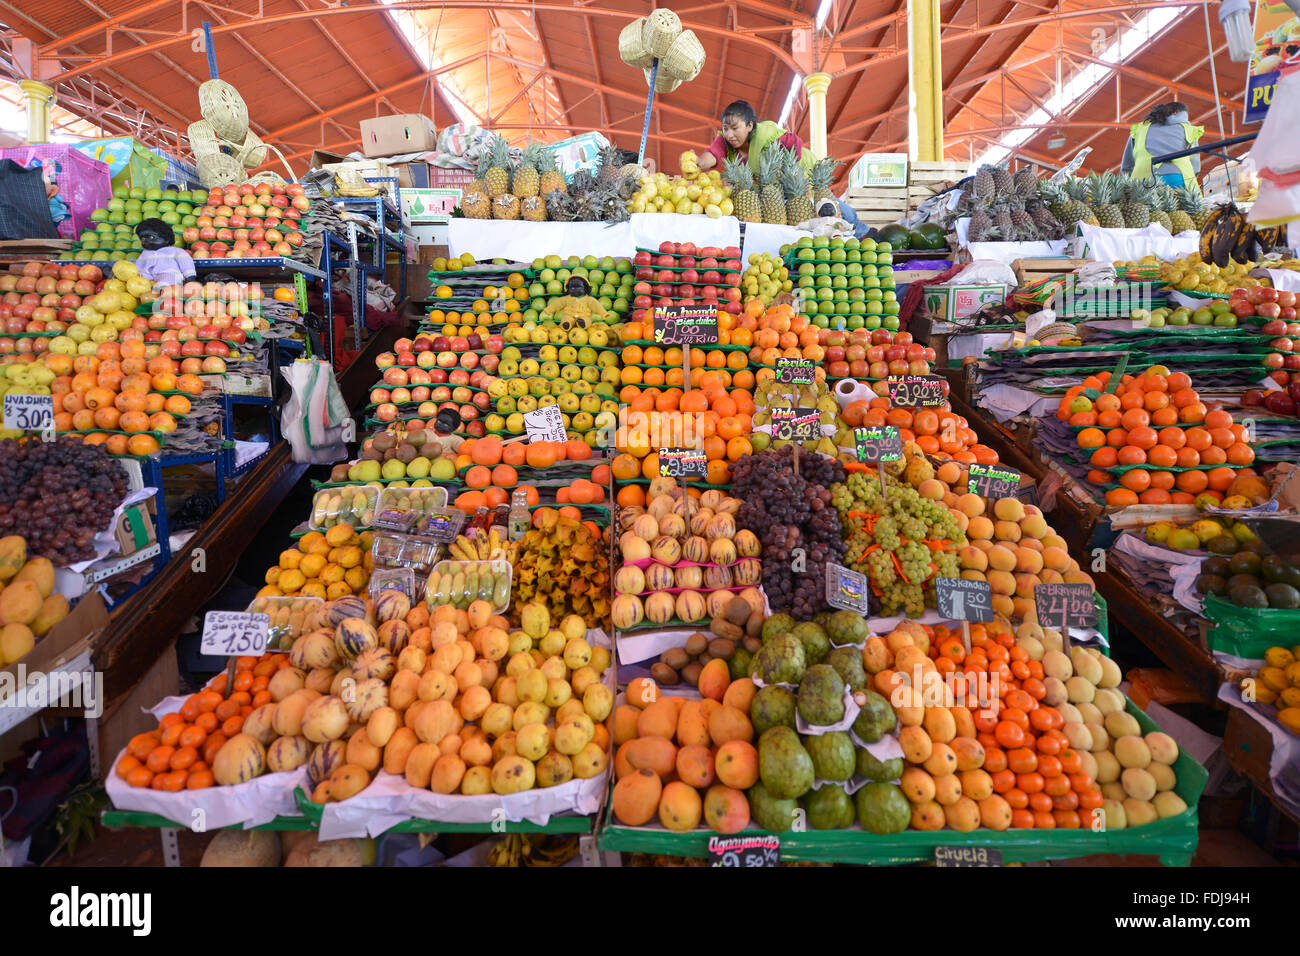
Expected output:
(745, 851)
(1063, 606)
(683, 463)
(685, 325)
(877, 444)
(545, 424)
(796, 424)
(230, 633)
(916, 391)
(962, 600)
(993, 481)
(30, 413)
(795, 371)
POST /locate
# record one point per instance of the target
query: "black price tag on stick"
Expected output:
(683, 463)
(745, 851)
(685, 325)
(796, 424)
(231, 633)
(878, 443)
(916, 391)
(962, 600)
(795, 371)
(29, 413)
(993, 481)
(1063, 606)
(545, 424)
(966, 856)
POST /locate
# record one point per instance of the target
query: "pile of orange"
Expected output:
(179, 754)
(781, 332)
(450, 328)
(489, 468)
(668, 366)
(939, 432)
(1157, 421)
(118, 390)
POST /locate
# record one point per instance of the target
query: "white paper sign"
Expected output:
(545, 424)
(226, 633)
(30, 413)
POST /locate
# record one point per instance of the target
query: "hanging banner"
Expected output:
(1276, 27)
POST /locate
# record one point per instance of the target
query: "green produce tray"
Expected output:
(1246, 631)
(1198, 294)
(557, 824)
(318, 485)
(136, 818)
(1173, 840)
(724, 348)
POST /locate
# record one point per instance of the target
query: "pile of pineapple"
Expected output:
(534, 190)
(1022, 208)
(782, 192)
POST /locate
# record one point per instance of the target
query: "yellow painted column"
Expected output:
(925, 63)
(38, 97)
(817, 84)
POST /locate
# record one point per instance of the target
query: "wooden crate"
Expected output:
(878, 205)
(941, 174)
(1032, 270)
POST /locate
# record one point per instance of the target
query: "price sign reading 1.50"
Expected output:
(231, 633)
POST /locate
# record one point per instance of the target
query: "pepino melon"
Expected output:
(240, 759)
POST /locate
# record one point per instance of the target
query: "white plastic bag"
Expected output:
(315, 420)
(985, 272)
(1277, 155)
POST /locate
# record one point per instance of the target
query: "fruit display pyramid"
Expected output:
(848, 283)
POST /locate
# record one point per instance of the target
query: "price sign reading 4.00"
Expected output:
(916, 391)
(1063, 606)
(796, 424)
(962, 600)
(795, 371)
(683, 463)
(229, 633)
(993, 481)
(30, 413)
(878, 443)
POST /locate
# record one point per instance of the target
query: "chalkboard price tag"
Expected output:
(796, 424)
(966, 856)
(1063, 606)
(30, 413)
(962, 600)
(846, 589)
(683, 463)
(795, 371)
(878, 443)
(993, 481)
(916, 391)
(545, 424)
(685, 325)
(745, 851)
(230, 633)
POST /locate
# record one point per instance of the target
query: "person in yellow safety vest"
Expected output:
(1165, 130)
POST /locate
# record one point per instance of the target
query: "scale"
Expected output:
(1280, 535)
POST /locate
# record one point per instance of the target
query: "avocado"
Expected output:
(829, 808)
(1243, 581)
(1290, 575)
(1222, 544)
(1245, 562)
(1216, 565)
(1247, 596)
(1211, 584)
(1283, 596)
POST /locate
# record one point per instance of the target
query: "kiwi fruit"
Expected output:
(697, 644)
(664, 675)
(675, 657)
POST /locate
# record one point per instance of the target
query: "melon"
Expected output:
(747, 544)
(243, 848)
(717, 577)
(240, 759)
(688, 576)
(324, 719)
(352, 636)
(346, 607)
(659, 607)
(392, 605)
(368, 696)
(696, 550)
(314, 650)
(658, 577)
(690, 606)
(287, 753)
(375, 662)
(324, 760)
(747, 572)
(393, 635)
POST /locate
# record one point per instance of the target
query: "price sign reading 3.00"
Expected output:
(29, 413)
(796, 424)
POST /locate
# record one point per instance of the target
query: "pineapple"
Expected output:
(1192, 206)
(981, 227)
(1049, 227)
(1023, 223)
(1105, 195)
(743, 197)
(610, 168)
(505, 207)
(770, 193)
(1134, 205)
(1025, 183)
(984, 186)
(524, 183)
(820, 179)
(1003, 185)
(1002, 222)
(497, 177)
(798, 207)
(1162, 204)
(1076, 208)
(551, 177)
(532, 209)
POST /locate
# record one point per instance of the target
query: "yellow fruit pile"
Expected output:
(326, 565)
(1278, 683)
(28, 605)
(692, 193)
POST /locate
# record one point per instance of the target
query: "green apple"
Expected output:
(1202, 316)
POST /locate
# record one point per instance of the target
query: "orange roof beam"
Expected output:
(155, 46)
(1159, 81)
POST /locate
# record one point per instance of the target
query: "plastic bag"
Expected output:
(1246, 631)
(985, 272)
(315, 419)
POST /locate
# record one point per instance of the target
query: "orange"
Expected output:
(1162, 480)
(1131, 455)
(1214, 455)
(1117, 437)
(486, 450)
(630, 496)
(1107, 403)
(478, 477)
(1143, 437)
(1104, 457)
(1139, 479)
(1240, 454)
(1192, 482)
(1217, 418)
(1091, 438)
(1187, 457)
(1121, 497)
(1134, 418)
(1154, 496)
(1162, 456)
(503, 476)
(1173, 437)
(1109, 419)
(1155, 400)
(1219, 479)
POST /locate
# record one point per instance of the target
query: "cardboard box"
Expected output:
(394, 135)
(429, 205)
(65, 640)
(953, 303)
(135, 527)
(333, 162)
(879, 169)
(577, 152)
(431, 234)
